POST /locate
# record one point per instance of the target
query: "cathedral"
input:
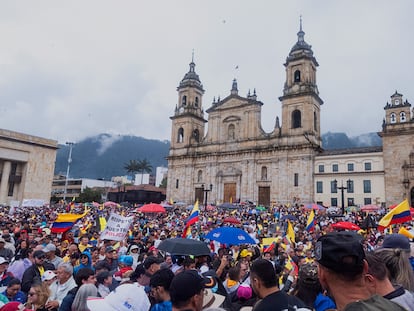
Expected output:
(236, 160)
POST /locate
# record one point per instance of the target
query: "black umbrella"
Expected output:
(179, 246)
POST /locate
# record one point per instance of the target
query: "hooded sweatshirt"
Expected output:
(88, 265)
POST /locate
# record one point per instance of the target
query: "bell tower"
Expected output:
(188, 119)
(300, 101)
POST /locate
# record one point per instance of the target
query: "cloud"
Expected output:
(75, 69)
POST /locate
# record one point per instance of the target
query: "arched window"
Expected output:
(403, 117)
(231, 132)
(296, 119)
(196, 135)
(200, 176)
(393, 118)
(296, 76)
(315, 121)
(264, 173)
(196, 102)
(184, 100)
(180, 137)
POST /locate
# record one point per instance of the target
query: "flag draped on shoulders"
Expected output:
(310, 225)
(398, 215)
(65, 222)
(194, 217)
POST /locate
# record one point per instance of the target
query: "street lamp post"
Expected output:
(342, 188)
(70, 144)
(206, 191)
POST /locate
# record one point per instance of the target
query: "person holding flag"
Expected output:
(310, 224)
(192, 220)
(398, 215)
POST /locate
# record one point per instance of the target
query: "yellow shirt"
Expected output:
(41, 270)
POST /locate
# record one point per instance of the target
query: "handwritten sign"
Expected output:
(116, 228)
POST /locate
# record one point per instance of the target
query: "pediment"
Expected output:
(232, 119)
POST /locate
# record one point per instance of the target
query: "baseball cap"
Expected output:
(39, 254)
(109, 249)
(126, 297)
(49, 248)
(126, 260)
(244, 291)
(308, 274)
(245, 253)
(396, 240)
(162, 278)
(48, 275)
(150, 260)
(2, 240)
(185, 285)
(341, 252)
(3, 260)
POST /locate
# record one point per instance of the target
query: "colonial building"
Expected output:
(398, 150)
(26, 165)
(236, 160)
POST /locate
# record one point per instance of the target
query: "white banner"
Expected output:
(116, 228)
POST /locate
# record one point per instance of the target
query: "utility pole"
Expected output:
(70, 144)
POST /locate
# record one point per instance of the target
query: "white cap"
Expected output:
(126, 297)
(49, 248)
(48, 275)
(3, 260)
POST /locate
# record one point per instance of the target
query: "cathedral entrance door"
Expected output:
(264, 196)
(229, 192)
(199, 195)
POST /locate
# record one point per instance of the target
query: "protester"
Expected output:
(126, 297)
(263, 280)
(160, 289)
(13, 292)
(85, 291)
(5, 276)
(34, 273)
(83, 276)
(378, 280)
(104, 280)
(37, 297)
(342, 265)
(60, 288)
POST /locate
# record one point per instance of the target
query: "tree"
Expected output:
(90, 195)
(144, 167)
(163, 183)
(132, 167)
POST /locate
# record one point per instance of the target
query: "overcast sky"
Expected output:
(71, 69)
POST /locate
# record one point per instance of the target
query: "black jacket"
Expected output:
(32, 275)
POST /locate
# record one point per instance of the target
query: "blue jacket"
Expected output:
(20, 296)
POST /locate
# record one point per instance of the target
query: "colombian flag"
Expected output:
(310, 225)
(65, 222)
(398, 215)
(194, 217)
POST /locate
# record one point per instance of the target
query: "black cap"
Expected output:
(185, 285)
(151, 260)
(39, 254)
(396, 240)
(341, 252)
(163, 278)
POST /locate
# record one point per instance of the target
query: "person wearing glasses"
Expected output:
(34, 273)
(37, 297)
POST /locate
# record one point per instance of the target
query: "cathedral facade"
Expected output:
(236, 160)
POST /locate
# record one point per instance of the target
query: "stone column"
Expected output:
(4, 181)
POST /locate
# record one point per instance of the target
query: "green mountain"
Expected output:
(104, 155)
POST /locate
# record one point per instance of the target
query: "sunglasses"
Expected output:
(31, 294)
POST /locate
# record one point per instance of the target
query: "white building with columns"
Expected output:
(27, 165)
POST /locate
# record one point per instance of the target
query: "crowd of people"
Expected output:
(321, 269)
